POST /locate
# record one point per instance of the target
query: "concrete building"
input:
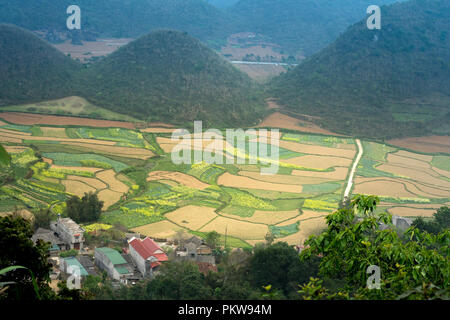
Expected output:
(146, 255)
(197, 252)
(113, 263)
(50, 237)
(70, 233)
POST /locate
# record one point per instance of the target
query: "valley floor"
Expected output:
(131, 170)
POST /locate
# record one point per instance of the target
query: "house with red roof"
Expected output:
(146, 254)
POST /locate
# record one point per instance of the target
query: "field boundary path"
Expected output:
(352, 172)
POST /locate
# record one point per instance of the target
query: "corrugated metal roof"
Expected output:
(122, 270)
(73, 262)
(112, 255)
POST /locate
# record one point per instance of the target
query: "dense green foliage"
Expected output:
(16, 248)
(300, 26)
(440, 221)
(169, 76)
(86, 209)
(30, 69)
(413, 267)
(359, 82)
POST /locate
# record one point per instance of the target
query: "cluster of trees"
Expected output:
(439, 223)
(84, 210)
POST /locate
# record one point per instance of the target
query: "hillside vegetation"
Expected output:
(301, 26)
(164, 76)
(383, 83)
(169, 76)
(117, 18)
(30, 69)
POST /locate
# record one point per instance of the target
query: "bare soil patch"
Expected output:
(411, 212)
(338, 174)
(430, 144)
(94, 183)
(266, 217)
(76, 187)
(318, 150)
(109, 197)
(282, 121)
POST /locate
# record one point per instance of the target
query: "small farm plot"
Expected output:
(191, 217)
(161, 230)
(84, 160)
(237, 228)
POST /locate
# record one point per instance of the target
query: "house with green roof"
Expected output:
(71, 265)
(113, 263)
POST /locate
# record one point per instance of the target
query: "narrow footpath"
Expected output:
(352, 173)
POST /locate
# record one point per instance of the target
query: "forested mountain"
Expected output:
(301, 26)
(31, 69)
(380, 83)
(119, 18)
(170, 76)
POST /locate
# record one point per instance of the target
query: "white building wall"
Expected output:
(138, 260)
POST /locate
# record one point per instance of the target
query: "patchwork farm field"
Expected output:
(131, 170)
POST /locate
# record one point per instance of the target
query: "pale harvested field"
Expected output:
(87, 169)
(76, 187)
(192, 217)
(431, 144)
(32, 119)
(179, 177)
(239, 229)
(260, 72)
(407, 162)
(266, 217)
(319, 162)
(162, 229)
(94, 183)
(120, 151)
(158, 130)
(306, 215)
(54, 132)
(2, 123)
(416, 175)
(415, 206)
(23, 213)
(441, 172)
(15, 149)
(418, 156)
(411, 212)
(230, 180)
(383, 188)
(14, 132)
(282, 121)
(307, 228)
(411, 186)
(318, 150)
(282, 178)
(92, 48)
(9, 139)
(338, 174)
(109, 177)
(109, 197)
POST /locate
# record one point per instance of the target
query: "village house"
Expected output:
(146, 255)
(70, 233)
(113, 263)
(49, 236)
(195, 250)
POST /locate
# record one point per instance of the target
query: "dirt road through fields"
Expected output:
(352, 172)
